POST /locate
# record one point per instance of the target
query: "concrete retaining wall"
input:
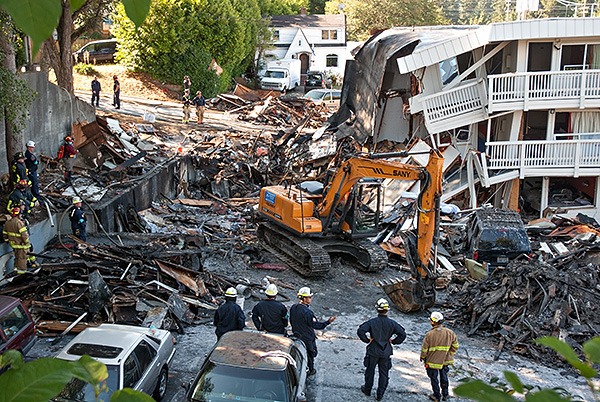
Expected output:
(50, 117)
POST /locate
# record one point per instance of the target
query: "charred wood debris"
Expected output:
(157, 277)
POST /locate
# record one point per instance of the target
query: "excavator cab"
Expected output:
(361, 213)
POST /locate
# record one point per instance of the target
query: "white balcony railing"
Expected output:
(544, 90)
(532, 155)
(454, 108)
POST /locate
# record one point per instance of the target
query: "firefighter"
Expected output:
(229, 316)
(21, 197)
(18, 169)
(15, 233)
(67, 152)
(439, 346)
(78, 220)
(270, 315)
(31, 162)
(383, 333)
(304, 323)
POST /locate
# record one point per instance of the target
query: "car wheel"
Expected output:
(161, 385)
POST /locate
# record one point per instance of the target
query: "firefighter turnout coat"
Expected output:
(439, 346)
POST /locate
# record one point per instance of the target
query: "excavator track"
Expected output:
(379, 257)
(300, 253)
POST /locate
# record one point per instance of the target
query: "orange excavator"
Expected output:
(308, 222)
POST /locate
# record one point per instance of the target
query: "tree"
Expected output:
(184, 37)
(366, 17)
(281, 7)
(15, 94)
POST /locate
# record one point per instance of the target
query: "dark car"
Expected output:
(17, 330)
(99, 51)
(252, 366)
(496, 236)
(315, 79)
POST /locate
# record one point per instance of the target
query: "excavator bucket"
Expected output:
(408, 294)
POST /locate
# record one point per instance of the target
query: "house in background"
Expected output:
(317, 40)
(513, 105)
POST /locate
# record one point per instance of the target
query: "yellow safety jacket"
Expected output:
(15, 233)
(439, 346)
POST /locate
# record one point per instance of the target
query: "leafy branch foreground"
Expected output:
(43, 379)
(478, 390)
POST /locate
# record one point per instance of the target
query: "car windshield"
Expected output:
(78, 390)
(225, 383)
(314, 95)
(274, 74)
(314, 77)
(504, 239)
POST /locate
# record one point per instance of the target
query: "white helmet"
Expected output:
(231, 292)
(271, 290)
(304, 292)
(436, 317)
(30, 144)
(76, 200)
(382, 304)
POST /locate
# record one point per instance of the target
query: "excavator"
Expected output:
(308, 222)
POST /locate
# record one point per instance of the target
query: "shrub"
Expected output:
(85, 69)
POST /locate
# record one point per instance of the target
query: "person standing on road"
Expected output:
(304, 323)
(383, 332)
(78, 220)
(437, 352)
(15, 233)
(31, 162)
(270, 315)
(200, 104)
(187, 86)
(187, 104)
(229, 316)
(96, 88)
(116, 92)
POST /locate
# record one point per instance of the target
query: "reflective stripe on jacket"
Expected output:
(439, 346)
(15, 233)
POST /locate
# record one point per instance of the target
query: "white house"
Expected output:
(318, 40)
(514, 106)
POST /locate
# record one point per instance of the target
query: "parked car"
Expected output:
(17, 330)
(136, 357)
(496, 236)
(252, 366)
(329, 97)
(315, 79)
(99, 50)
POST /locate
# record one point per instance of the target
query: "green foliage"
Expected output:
(85, 69)
(183, 37)
(497, 391)
(39, 18)
(43, 379)
(281, 7)
(15, 98)
(129, 395)
(364, 17)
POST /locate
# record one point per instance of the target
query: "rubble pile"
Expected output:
(529, 299)
(271, 108)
